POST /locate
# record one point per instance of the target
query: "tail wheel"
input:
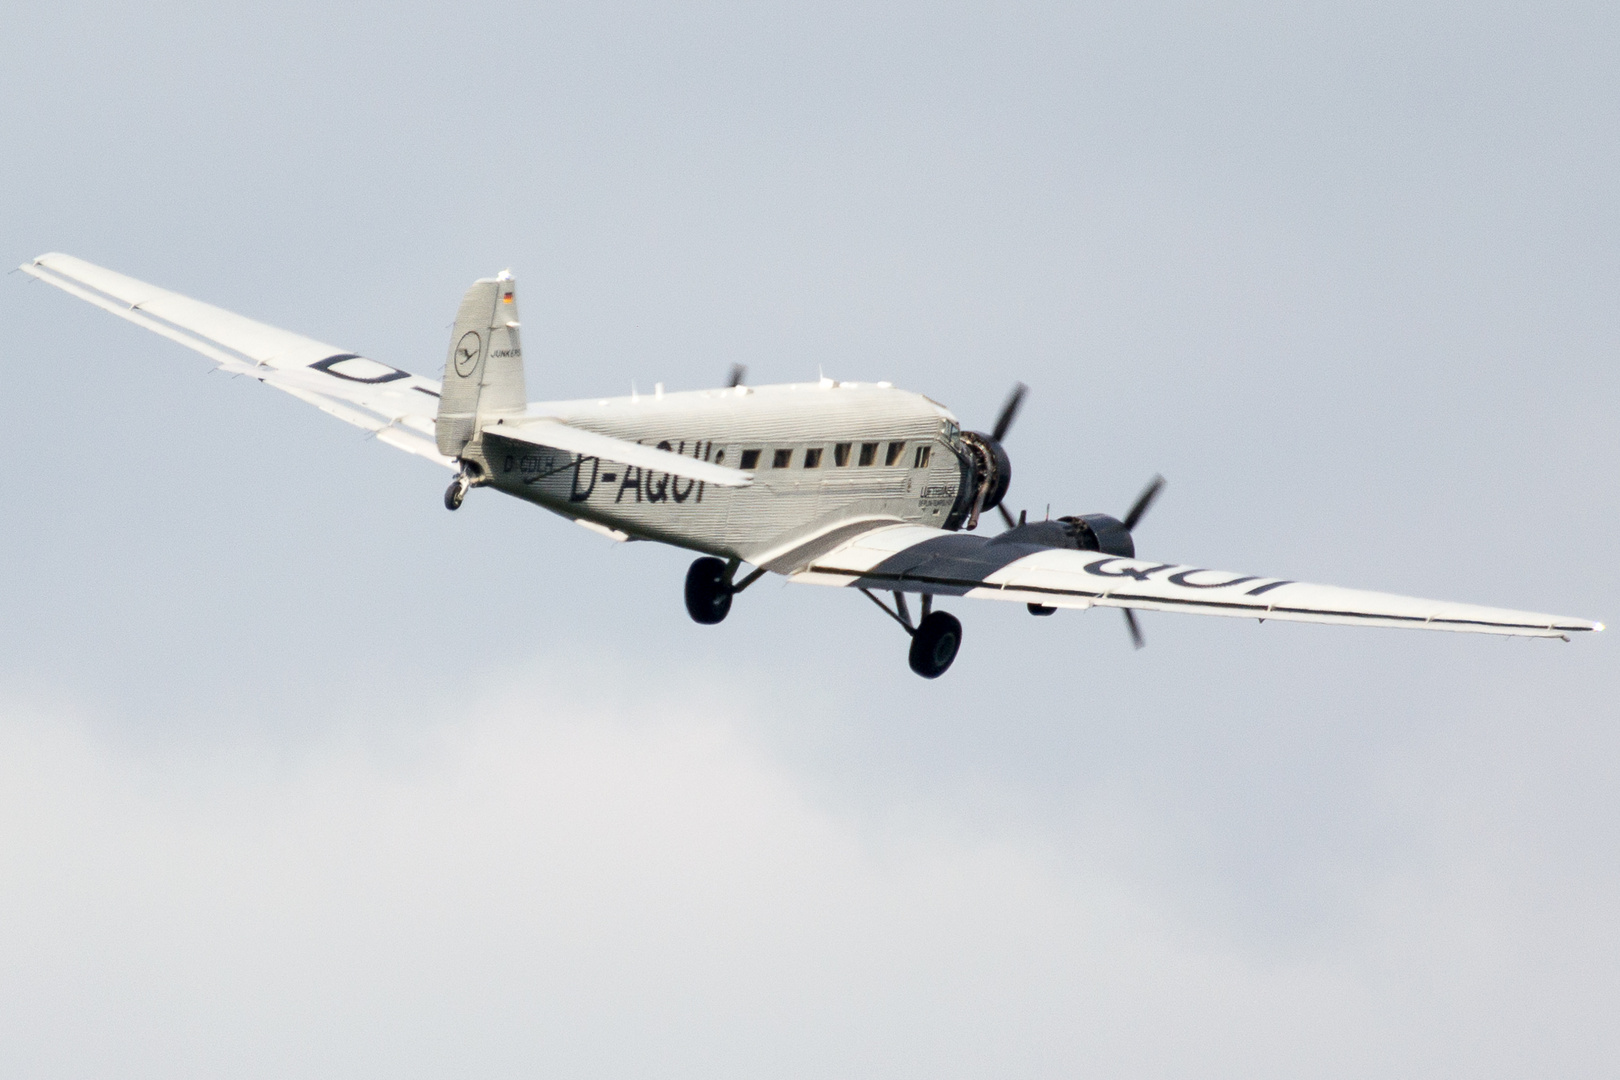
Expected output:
(708, 591)
(934, 645)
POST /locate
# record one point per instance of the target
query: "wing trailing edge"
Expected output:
(912, 558)
(395, 406)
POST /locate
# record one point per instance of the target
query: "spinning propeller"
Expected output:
(1004, 422)
(1134, 515)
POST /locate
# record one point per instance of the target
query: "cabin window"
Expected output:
(812, 458)
(782, 459)
(868, 452)
(921, 460)
(750, 459)
(841, 454)
(895, 449)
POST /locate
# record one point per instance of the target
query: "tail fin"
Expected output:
(483, 375)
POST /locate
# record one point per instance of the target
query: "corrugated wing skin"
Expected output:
(828, 482)
(397, 406)
(915, 558)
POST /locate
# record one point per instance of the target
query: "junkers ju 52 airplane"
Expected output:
(829, 483)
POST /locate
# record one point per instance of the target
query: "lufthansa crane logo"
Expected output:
(466, 357)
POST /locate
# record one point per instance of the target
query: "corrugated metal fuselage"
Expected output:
(826, 457)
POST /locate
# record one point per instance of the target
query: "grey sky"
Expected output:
(301, 775)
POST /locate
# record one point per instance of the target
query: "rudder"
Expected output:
(483, 374)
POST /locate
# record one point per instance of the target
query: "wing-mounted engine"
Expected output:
(1082, 532)
(1088, 532)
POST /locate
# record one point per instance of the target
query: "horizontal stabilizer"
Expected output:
(560, 436)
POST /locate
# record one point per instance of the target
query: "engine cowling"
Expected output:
(1102, 532)
(1082, 532)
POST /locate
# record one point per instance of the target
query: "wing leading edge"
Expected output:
(396, 406)
(912, 558)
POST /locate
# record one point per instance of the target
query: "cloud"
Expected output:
(534, 884)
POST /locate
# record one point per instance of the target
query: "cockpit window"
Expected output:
(921, 459)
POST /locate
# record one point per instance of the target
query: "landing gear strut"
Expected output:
(934, 641)
(709, 588)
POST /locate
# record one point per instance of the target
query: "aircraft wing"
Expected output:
(560, 436)
(395, 405)
(914, 558)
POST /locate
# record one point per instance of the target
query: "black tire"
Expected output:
(1040, 609)
(708, 593)
(934, 645)
(454, 494)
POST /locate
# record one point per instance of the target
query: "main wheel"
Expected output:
(708, 592)
(934, 645)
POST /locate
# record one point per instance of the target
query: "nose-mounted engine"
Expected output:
(989, 472)
(986, 468)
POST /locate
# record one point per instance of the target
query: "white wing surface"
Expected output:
(397, 406)
(559, 436)
(914, 558)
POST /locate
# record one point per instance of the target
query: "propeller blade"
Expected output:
(1136, 631)
(1143, 501)
(738, 373)
(1009, 412)
(1005, 516)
